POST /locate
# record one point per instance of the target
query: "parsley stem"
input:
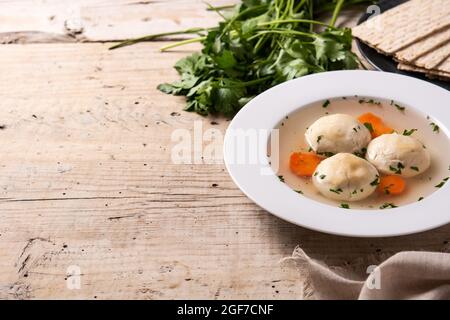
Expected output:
(336, 11)
(294, 21)
(283, 31)
(158, 35)
(219, 8)
(259, 44)
(252, 82)
(240, 15)
(326, 7)
(299, 5)
(216, 11)
(182, 43)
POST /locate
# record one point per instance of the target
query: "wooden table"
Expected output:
(87, 182)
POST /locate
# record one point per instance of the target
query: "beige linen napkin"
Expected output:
(405, 275)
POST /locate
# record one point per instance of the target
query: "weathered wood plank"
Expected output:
(86, 179)
(26, 21)
(53, 21)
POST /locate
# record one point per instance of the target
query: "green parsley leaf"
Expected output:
(442, 183)
(368, 126)
(398, 169)
(387, 206)
(369, 101)
(399, 107)
(376, 181)
(319, 138)
(435, 127)
(258, 45)
(409, 132)
(326, 154)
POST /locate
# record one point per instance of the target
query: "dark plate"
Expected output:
(385, 63)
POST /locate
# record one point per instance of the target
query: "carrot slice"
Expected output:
(392, 185)
(374, 124)
(369, 117)
(304, 163)
(382, 130)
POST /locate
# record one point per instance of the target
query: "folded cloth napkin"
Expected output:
(405, 275)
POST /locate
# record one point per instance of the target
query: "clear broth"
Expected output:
(292, 139)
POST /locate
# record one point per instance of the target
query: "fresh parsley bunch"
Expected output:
(259, 43)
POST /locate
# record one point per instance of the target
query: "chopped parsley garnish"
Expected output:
(420, 199)
(322, 176)
(399, 107)
(299, 191)
(361, 153)
(441, 184)
(345, 206)
(393, 169)
(281, 178)
(368, 126)
(316, 173)
(409, 132)
(376, 181)
(399, 168)
(388, 205)
(338, 191)
(354, 129)
(326, 103)
(326, 154)
(414, 168)
(435, 127)
(233, 65)
(370, 101)
(319, 138)
(354, 191)
(386, 189)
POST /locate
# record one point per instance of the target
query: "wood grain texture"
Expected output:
(99, 20)
(86, 180)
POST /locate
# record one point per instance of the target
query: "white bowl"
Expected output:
(258, 181)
